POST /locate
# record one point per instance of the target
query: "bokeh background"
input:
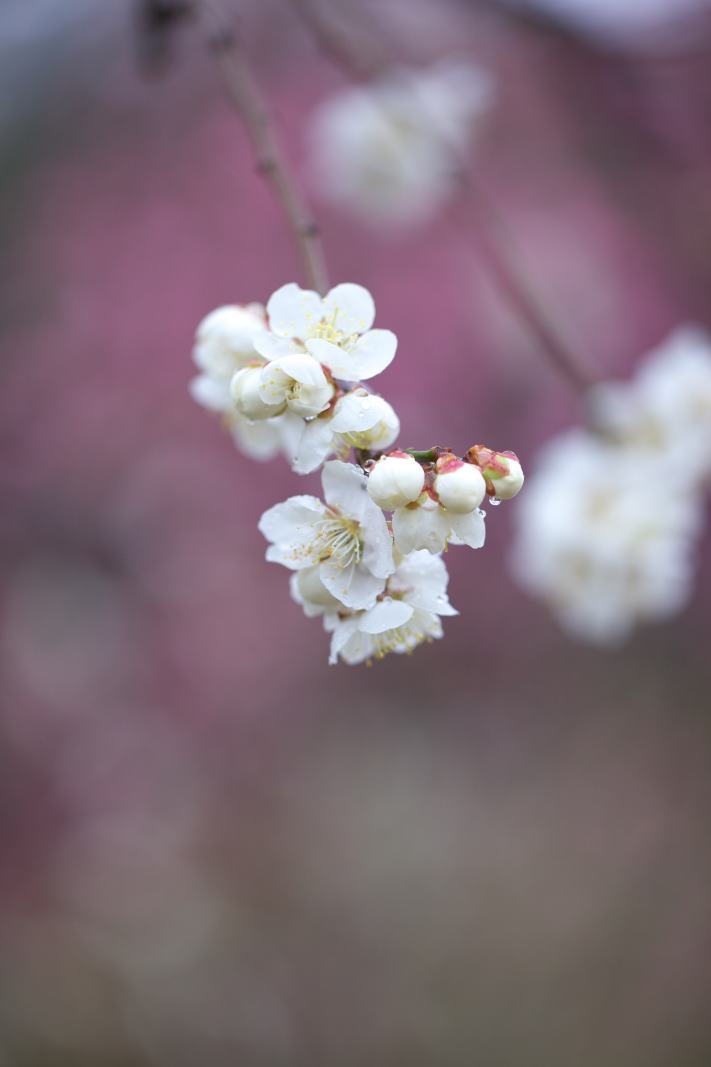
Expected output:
(214, 847)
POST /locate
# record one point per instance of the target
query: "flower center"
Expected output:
(403, 638)
(326, 330)
(338, 539)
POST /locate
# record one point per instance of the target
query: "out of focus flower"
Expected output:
(395, 481)
(390, 150)
(634, 23)
(335, 330)
(600, 539)
(224, 345)
(347, 538)
(408, 613)
(666, 409)
(426, 524)
(224, 341)
(358, 419)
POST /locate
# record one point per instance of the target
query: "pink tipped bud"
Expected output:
(459, 486)
(502, 471)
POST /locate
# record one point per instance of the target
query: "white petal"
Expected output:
(470, 529)
(386, 615)
(294, 311)
(211, 394)
(341, 635)
(315, 443)
(370, 355)
(378, 542)
(291, 428)
(345, 487)
(292, 526)
(354, 586)
(419, 527)
(274, 384)
(422, 579)
(272, 347)
(301, 368)
(327, 353)
(259, 440)
(356, 411)
(353, 308)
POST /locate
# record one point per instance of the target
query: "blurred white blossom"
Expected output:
(390, 150)
(603, 538)
(666, 409)
(224, 345)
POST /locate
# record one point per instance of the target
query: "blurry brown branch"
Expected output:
(494, 242)
(491, 236)
(358, 62)
(246, 97)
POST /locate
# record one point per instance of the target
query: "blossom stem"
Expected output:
(429, 455)
(493, 240)
(247, 99)
(359, 63)
(334, 43)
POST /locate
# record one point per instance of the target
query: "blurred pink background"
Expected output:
(212, 845)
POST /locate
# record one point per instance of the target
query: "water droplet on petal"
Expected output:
(494, 501)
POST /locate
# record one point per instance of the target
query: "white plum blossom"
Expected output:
(224, 340)
(308, 590)
(346, 538)
(358, 419)
(296, 382)
(390, 150)
(407, 614)
(426, 524)
(395, 481)
(334, 330)
(288, 378)
(224, 345)
(666, 408)
(245, 389)
(459, 486)
(603, 538)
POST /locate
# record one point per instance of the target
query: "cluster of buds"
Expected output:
(367, 558)
(435, 496)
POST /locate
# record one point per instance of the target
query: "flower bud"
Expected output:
(502, 470)
(459, 486)
(395, 480)
(245, 393)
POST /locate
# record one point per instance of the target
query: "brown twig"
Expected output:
(360, 64)
(246, 97)
(493, 242)
(491, 231)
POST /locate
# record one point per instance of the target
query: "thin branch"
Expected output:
(354, 60)
(247, 99)
(494, 241)
(491, 232)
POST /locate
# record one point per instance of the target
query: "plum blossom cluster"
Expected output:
(390, 150)
(599, 537)
(367, 558)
